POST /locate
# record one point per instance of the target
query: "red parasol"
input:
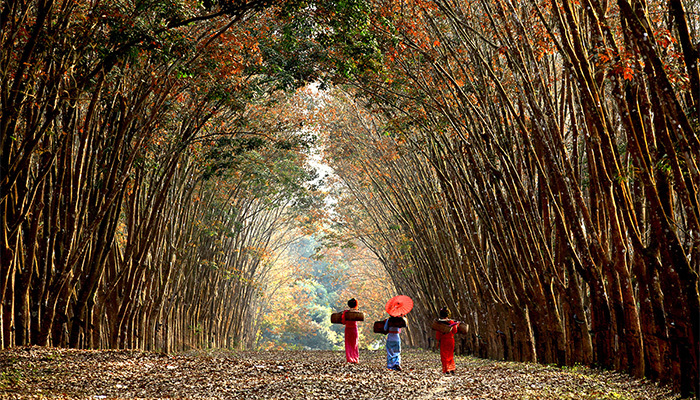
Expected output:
(399, 306)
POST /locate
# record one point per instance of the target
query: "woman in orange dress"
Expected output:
(352, 348)
(447, 342)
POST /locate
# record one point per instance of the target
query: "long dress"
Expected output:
(393, 346)
(352, 347)
(447, 347)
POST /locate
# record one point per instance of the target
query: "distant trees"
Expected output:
(300, 300)
(535, 169)
(310, 282)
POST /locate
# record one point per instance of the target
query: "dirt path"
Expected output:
(40, 373)
(440, 389)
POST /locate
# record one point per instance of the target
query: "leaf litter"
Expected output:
(52, 373)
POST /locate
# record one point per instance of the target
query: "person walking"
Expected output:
(397, 307)
(393, 342)
(352, 347)
(446, 341)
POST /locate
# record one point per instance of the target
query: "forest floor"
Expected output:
(50, 373)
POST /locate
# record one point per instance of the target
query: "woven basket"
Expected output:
(379, 327)
(354, 316)
(337, 318)
(441, 327)
(462, 328)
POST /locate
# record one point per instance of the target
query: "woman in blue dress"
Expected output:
(393, 342)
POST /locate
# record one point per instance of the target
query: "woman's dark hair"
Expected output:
(444, 312)
(352, 303)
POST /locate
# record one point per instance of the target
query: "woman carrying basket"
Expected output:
(447, 342)
(393, 343)
(397, 307)
(352, 347)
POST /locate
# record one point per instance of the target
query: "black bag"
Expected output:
(397, 322)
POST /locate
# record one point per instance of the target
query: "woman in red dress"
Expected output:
(352, 347)
(447, 342)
